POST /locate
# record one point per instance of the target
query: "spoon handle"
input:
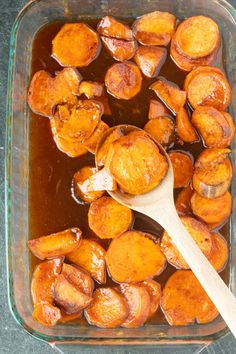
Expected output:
(216, 289)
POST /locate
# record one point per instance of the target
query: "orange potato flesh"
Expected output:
(92, 141)
(150, 60)
(69, 297)
(110, 27)
(103, 149)
(107, 310)
(212, 211)
(55, 245)
(91, 89)
(183, 201)
(170, 94)
(138, 300)
(76, 44)
(184, 301)
(65, 317)
(182, 165)
(46, 314)
(162, 129)
(154, 28)
(201, 69)
(134, 257)
(43, 280)
(108, 219)
(79, 278)
(91, 257)
(135, 163)
(156, 109)
(219, 254)
(185, 129)
(200, 235)
(123, 80)
(45, 91)
(119, 49)
(154, 290)
(79, 177)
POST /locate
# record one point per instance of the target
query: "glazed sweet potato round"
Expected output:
(157, 109)
(111, 27)
(182, 164)
(162, 129)
(154, 290)
(91, 143)
(119, 49)
(183, 201)
(150, 60)
(219, 253)
(184, 127)
(123, 80)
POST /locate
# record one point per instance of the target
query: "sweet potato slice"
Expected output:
(154, 28)
(183, 201)
(211, 211)
(43, 280)
(91, 89)
(76, 44)
(92, 141)
(103, 149)
(230, 121)
(201, 69)
(139, 303)
(55, 245)
(107, 310)
(219, 253)
(162, 129)
(46, 314)
(200, 235)
(182, 164)
(136, 163)
(150, 60)
(133, 257)
(185, 129)
(65, 317)
(110, 27)
(119, 49)
(184, 300)
(157, 109)
(154, 290)
(109, 219)
(170, 94)
(99, 182)
(79, 278)
(46, 91)
(69, 297)
(123, 80)
(91, 257)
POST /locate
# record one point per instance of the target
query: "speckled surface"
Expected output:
(12, 338)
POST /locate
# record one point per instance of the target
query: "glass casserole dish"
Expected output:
(35, 15)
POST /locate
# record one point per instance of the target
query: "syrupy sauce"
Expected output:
(51, 205)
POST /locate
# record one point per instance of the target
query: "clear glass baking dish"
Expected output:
(33, 16)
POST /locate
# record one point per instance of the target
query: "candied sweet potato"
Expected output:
(91, 89)
(184, 300)
(182, 164)
(65, 317)
(108, 218)
(119, 49)
(103, 149)
(219, 254)
(150, 60)
(138, 300)
(170, 94)
(185, 129)
(154, 28)
(211, 211)
(200, 235)
(76, 44)
(55, 245)
(183, 201)
(46, 314)
(110, 27)
(99, 182)
(91, 142)
(91, 257)
(79, 278)
(154, 290)
(43, 280)
(162, 129)
(134, 256)
(156, 109)
(107, 310)
(123, 80)
(46, 91)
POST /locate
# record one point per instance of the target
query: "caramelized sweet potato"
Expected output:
(219, 253)
(107, 310)
(65, 317)
(91, 257)
(211, 211)
(91, 89)
(55, 245)
(136, 163)
(138, 300)
(154, 28)
(110, 27)
(134, 256)
(99, 182)
(182, 164)
(79, 278)
(200, 235)
(162, 129)
(46, 314)
(119, 49)
(185, 129)
(123, 80)
(170, 94)
(76, 44)
(150, 60)
(109, 219)
(183, 201)
(154, 290)
(43, 280)
(92, 141)
(184, 300)
(46, 91)
(157, 109)
(103, 149)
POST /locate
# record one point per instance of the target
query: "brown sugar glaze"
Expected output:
(51, 205)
